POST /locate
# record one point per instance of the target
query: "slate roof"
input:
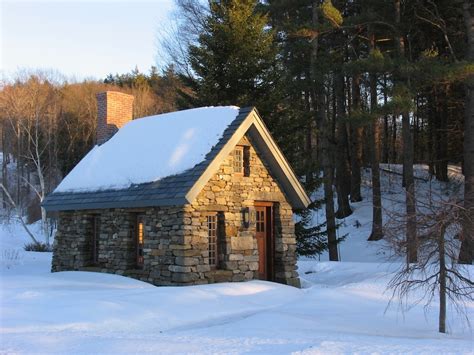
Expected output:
(168, 191)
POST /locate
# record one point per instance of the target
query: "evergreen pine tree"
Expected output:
(234, 60)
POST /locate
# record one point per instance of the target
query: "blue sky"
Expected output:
(82, 38)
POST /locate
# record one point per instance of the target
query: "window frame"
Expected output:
(213, 244)
(218, 216)
(244, 154)
(139, 245)
(240, 150)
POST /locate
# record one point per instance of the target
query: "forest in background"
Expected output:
(342, 85)
(49, 124)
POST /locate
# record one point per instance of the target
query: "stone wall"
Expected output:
(163, 243)
(176, 238)
(72, 243)
(230, 193)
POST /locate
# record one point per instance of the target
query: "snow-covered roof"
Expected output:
(166, 160)
(149, 149)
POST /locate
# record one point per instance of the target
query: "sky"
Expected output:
(81, 38)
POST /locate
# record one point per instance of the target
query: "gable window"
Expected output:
(241, 161)
(95, 239)
(238, 160)
(139, 241)
(213, 240)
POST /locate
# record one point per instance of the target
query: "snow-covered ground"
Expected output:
(358, 226)
(341, 309)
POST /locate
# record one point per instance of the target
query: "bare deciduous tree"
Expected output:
(20, 218)
(436, 273)
(30, 106)
(189, 20)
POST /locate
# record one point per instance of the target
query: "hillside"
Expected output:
(358, 226)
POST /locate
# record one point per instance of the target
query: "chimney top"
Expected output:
(114, 110)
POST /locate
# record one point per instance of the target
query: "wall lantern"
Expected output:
(246, 217)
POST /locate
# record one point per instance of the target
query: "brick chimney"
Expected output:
(114, 110)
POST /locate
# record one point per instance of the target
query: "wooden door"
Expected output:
(264, 235)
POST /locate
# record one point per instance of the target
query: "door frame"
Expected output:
(269, 237)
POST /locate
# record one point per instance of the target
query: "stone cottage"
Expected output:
(191, 197)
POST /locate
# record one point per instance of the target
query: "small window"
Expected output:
(212, 234)
(95, 239)
(241, 162)
(140, 240)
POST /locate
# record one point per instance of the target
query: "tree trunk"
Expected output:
(410, 204)
(322, 122)
(356, 145)
(328, 181)
(377, 230)
(309, 164)
(342, 164)
(394, 156)
(441, 129)
(466, 254)
(385, 151)
(309, 158)
(19, 163)
(412, 243)
(4, 164)
(431, 133)
(442, 281)
(443, 147)
(37, 160)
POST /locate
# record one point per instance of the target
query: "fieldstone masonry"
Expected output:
(176, 237)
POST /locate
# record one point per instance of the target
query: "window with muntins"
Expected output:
(260, 221)
(241, 161)
(140, 237)
(238, 163)
(212, 235)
